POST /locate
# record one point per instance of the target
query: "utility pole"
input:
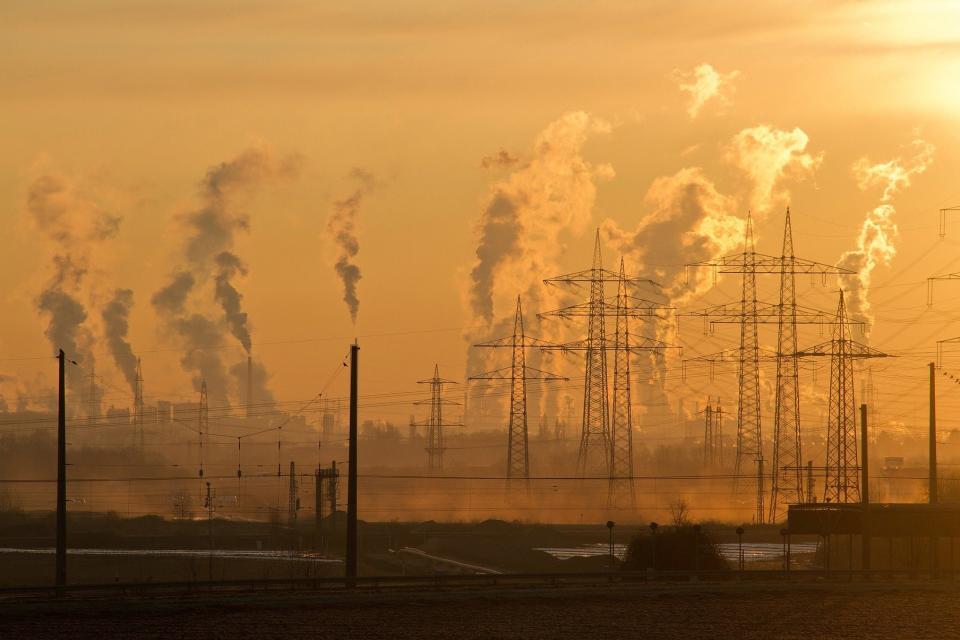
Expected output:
(208, 503)
(933, 435)
(293, 500)
(138, 408)
(865, 491)
(352, 559)
(203, 419)
(61, 568)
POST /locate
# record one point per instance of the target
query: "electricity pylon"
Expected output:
(596, 453)
(435, 424)
(713, 436)
(518, 455)
(842, 482)
(787, 314)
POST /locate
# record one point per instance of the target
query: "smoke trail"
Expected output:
(173, 297)
(876, 242)
(704, 83)
(767, 155)
(116, 324)
(690, 221)
(208, 256)
(343, 225)
(552, 191)
(75, 223)
(260, 391)
(230, 299)
(201, 336)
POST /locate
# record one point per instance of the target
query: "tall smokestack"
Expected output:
(249, 384)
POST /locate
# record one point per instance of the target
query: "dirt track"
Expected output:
(842, 611)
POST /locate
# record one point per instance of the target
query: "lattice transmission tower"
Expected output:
(713, 436)
(748, 313)
(435, 425)
(842, 480)
(598, 442)
(518, 373)
(609, 451)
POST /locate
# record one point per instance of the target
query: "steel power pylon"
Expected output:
(842, 481)
(435, 424)
(617, 438)
(787, 314)
(597, 441)
(713, 436)
(518, 454)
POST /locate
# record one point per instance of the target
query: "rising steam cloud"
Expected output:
(76, 223)
(209, 256)
(876, 242)
(767, 155)
(550, 192)
(116, 325)
(343, 225)
(703, 84)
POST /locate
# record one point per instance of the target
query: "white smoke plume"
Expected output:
(767, 155)
(703, 84)
(76, 221)
(550, 192)
(690, 221)
(209, 257)
(876, 242)
(343, 225)
(116, 325)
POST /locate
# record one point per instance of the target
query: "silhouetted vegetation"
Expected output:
(676, 547)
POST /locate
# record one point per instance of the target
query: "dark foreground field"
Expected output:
(661, 612)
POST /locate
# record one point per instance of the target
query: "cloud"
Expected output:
(876, 242)
(553, 190)
(499, 160)
(690, 221)
(703, 84)
(75, 219)
(768, 155)
(116, 325)
(208, 256)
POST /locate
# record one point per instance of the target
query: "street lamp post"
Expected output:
(740, 545)
(610, 525)
(786, 548)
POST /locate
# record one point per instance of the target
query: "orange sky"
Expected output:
(132, 103)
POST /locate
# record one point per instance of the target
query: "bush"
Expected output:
(675, 549)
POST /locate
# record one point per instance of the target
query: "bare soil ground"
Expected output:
(742, 612)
